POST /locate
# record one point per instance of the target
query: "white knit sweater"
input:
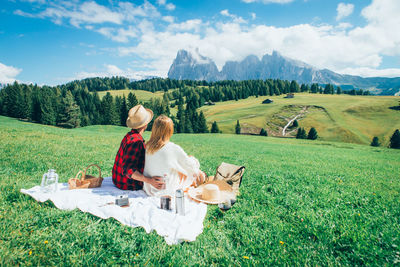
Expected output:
(170, 160)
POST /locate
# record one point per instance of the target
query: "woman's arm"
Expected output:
(154, 181)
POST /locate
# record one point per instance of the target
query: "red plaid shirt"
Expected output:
(130, 158)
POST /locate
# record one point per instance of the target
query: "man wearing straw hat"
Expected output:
(127, 173)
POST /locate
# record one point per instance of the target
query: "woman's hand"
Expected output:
(200, 178)
(157, 182)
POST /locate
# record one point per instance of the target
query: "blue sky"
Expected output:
(53, 42)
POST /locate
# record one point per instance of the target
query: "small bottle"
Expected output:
(180, 202)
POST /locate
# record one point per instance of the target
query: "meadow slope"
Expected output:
(343, 118)
(301, 203)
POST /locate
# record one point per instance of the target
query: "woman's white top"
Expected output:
(170, 160)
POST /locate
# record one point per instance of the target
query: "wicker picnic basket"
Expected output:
(86, 181)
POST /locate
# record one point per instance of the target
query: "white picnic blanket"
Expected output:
(143, 210)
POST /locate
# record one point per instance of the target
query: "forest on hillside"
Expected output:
(77, 103)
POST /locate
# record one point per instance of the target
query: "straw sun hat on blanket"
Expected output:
(213, 192)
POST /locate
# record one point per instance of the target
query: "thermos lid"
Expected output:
(179, 193)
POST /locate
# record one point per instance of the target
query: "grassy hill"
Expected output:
(344, 118)
(302, 203)
(140, 94)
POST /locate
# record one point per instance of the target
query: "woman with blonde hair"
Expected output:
(164, 158)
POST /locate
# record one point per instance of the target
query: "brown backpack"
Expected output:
(232, 174)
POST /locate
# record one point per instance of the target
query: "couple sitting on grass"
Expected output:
(139, 165)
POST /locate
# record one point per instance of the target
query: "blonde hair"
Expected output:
(162, 130)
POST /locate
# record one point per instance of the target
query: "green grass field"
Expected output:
(302, 203)
(343, 118)
(141, 95)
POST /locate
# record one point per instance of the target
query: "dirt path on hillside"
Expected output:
(304, 110)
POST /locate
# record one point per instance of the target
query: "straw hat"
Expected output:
(138, 116)
(214, 192)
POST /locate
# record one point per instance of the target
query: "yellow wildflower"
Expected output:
(30, 252)
(245, 257)
(359, 214)
(46, 242)
(137, 254)
(281, 242)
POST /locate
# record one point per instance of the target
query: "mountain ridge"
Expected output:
(193, 66)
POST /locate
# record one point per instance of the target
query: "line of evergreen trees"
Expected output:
(77, 103)
(394, 140)
(312, 134)
(72, 107)
(230, 89)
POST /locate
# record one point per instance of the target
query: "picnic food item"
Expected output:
(165, 202)
(213, 192)
(122, 201)
(86, 181)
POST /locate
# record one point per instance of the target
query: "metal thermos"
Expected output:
(180, 202)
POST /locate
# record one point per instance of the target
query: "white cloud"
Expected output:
(92, 13)
(253, 15)
(189, 25)
(344, 25)
(8, 73)
(170, 6)
(110, 70)
(341, 47)
(235, 18)
(161, 2)
(118, 34)
(338, 48)
(35, 1)
(371, 72)
(169, 19)
(268, 1)
(344, 10)
(225, 12)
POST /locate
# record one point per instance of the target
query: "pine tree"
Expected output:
(47, 112)
(263, 132)
(214, 127)
(123, 112)
(237, 128)
(294, 87)
(202, 123)
(375, 141)
(181, 118)
(338, 90)
(110, 116)
(312, 134)
(395, 140)
(314, 88)
(70, 112)
(301, 134)
(295, 124)
(132, 100)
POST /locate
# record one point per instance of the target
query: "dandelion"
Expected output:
(137, 254)
(359, 214)
(46, 242)
(30, 252)
(281, 242)
(245, 257)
